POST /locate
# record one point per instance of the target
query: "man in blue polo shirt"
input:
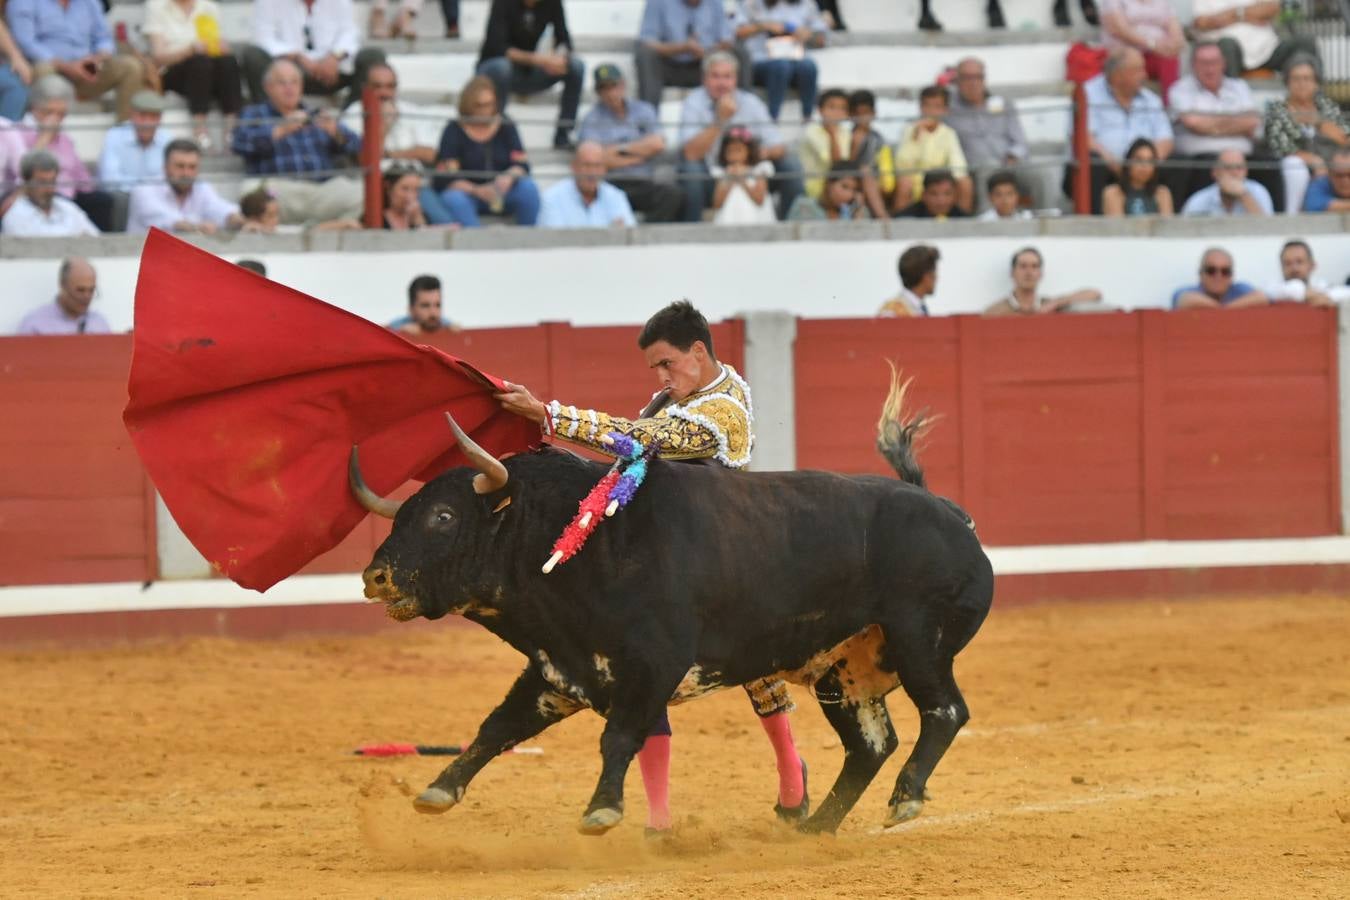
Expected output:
(675, 36)
(584, 200)
(1217, 288)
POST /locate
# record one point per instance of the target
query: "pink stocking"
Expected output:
(654, 760)
(790, 786)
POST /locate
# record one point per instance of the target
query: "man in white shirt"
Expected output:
(69, 313)
(1245, 32)
(133, 152)
(1232, 193)
(40, 211)
(182, 203)
(321, 37)
(1299, 284)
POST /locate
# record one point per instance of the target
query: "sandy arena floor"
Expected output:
(1140, 750)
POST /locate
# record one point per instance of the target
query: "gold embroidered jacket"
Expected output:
(716, 422)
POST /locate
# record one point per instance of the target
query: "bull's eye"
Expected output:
(443, 518)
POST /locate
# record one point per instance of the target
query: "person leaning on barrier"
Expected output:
(1028, 267)
(1303, 129)
(1217, 287)
(181, 202)
(1298, 284)
(918, 267)
(39, 210)
(424, 310)
(512, 58)
(1245, 32)
(69, 313)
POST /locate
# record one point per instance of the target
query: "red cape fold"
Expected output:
(245, 398)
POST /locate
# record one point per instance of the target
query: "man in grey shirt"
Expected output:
(988, 125)
(706, 115)
(674, 39)
(631, 135)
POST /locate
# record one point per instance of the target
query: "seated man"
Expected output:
(133, 152)
(1027, 270)
(322, 39)
(181, 202)
(1232, 193)
(585, 200)
(1217, 289)
(39, 211)
(512, 58)
(1299, 284)
(1331, 192)
(424, 309)
(282, 137)
(987, 124)
(69, 313)
(71, 38)
(938, 200)
(628, 131)
(675, 38)
(1004, 199)
(705, 117)
(918, 281)
(703, 412)
(1120, 111)
(927, 145)
(1245, 33)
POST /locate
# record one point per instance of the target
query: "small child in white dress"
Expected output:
(742, 193)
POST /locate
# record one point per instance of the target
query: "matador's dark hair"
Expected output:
(679, 325)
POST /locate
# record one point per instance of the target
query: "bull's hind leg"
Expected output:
(942, 712)
(530, 706)
(865, 730)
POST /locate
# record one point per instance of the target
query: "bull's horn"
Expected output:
(492, 474)
(372, 501)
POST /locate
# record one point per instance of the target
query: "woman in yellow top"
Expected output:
(196, 62)
(930, 144)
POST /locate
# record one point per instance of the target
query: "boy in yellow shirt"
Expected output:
(931, 144)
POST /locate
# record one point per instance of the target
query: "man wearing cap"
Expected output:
(133, 152)
(630, 135)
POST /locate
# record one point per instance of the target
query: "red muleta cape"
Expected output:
(245, 398)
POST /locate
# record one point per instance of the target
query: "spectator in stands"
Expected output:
(1299, 284)
(283, 137)
(50, 100)
(481, 162)
(994, 14)
(741, 192)
(196, 62)
(1217, 287)
(938, 200)
(826, 142)
(254, 266)
(1120, 110)
(402, 209)
(1303, 130)
(39, 210)
(918, 281)
(15, 76)
(1004, 199)
(674, 41)
(69, 313)
(1210, 113)
(585, 200)
(871, 155)
(261, 212)
(988, 126)
(840, 200)
(1331, 192)
(424, 309)
(511, 58)
(931, 144)
(1139, 192)
(706, 115)
(71, 38)
(1245, 32)
(631, 136)
(133, 152)
(1232, 193)
(1152, 28)
(776, 35)
(182, 203)
(403, 25)
(1028, 267)
(319, 36)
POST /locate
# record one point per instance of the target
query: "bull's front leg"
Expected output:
(631, 718)
(530, 706)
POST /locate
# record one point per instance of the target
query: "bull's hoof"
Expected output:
(598, 821)
(434, 801)
(903, 811)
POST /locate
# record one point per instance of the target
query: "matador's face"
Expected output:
(680, 372)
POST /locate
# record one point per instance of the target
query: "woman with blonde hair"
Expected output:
(481, 165)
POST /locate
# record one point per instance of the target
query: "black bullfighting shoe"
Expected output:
(795, 814)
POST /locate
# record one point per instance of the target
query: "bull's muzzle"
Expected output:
(379, 583)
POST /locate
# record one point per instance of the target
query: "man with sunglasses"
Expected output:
(1217, 288)
(1331, 192)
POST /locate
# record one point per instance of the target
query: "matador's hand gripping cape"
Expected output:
(246, 398)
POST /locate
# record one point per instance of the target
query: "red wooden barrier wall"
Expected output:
(1073, 429)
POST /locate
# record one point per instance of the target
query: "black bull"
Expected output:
(850, 585)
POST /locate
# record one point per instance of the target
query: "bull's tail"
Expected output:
(897, 431)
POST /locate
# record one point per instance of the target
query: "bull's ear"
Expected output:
(497, 501)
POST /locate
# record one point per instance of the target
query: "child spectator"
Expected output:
(826, 142)
(261, 212)
(1004, 198)
(841, 198)
(741, 195)
(871, 154)
(931, 144)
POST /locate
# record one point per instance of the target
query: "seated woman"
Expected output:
(1138, 193)
(741, 195)
(1152, 28)
(840, 200)
(777, 34)
(195, 61)
(402, 211)
(1303, 130)
(1027, 269)
(481, 163)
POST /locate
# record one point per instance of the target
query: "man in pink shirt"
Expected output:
(69, 313)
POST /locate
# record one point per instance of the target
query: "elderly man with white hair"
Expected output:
(297, 152)
(585, 200)
(39, 211)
